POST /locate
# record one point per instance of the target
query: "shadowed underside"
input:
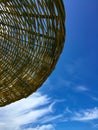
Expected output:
(32, 35)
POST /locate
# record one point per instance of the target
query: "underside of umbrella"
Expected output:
(32, 35)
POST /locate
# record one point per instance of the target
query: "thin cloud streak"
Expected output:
(85, 115)
(43, 127)
(94, 98)
(81, 88)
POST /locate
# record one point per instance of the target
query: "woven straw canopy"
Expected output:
(32, 35)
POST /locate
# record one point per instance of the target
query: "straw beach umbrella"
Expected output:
(32, 35)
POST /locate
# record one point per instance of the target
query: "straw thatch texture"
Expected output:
(32, 35)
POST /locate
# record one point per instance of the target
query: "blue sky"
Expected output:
(68, 100)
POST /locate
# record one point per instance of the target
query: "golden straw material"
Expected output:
(32, 36)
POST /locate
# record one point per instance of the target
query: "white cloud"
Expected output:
(86, 115)
(94, 98)
(95, 125)
(51, 118)
(43, 127)
(30, 110)
(81, 88)
(39, 111)
(67, 110)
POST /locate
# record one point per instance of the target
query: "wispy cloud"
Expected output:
(38, 111)
(95, 125)
(43, 127)
(81, 88)
(94, 98)
(67, 110)
(85, 115)
(33, 109)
